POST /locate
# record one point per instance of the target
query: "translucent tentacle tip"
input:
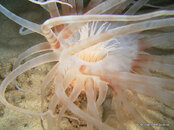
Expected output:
(50, 1)
(82, 69)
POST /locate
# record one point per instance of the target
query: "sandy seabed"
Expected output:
(11, 45)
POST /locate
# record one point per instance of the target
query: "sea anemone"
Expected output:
(98, 49)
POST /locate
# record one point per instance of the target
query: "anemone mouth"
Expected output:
(92, 54)
(96, 52)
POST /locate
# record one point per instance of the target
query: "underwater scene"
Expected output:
(86, 65)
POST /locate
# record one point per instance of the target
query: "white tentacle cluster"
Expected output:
(96, 52)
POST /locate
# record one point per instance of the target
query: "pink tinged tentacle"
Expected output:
(143, 106)
(103, 89)
(119, 114)
(79, 6)
(48, 32)
(54, 12)
(108, 75)
(147, 85)
(76, 90)
(89, 70)
(93, 4)
(96, 70)
(77, 111)
(51, 37)
(51, 119)
(99, 9)
(24, 31)
(151, 24)
(48, 78)
(146, 107)
(129, 108)
(54, 101)
(121, 7)
(69, 78)
(91, 100)
(49, 1)
(74, 9)
(135, 7)
(151, 90)
(124, 109)
(35, 49)
(73, 96)
(148, 42)
(66, 10)
(46, 58)
(44, 46)
(104, 6)
(153, 66)
(127, 29)
(155, 58)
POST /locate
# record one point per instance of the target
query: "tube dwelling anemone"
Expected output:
(96, 51)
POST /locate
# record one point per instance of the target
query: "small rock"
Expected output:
(26, 125)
